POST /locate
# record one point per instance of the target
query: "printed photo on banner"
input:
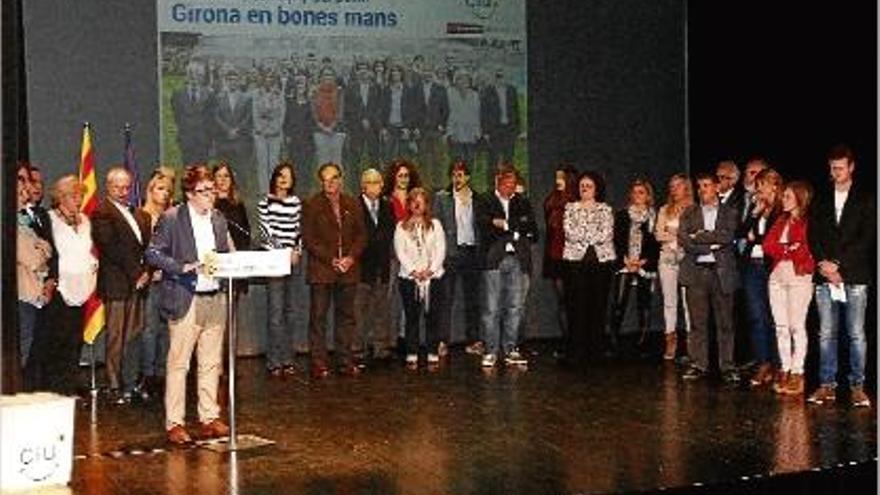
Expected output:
(357, 83)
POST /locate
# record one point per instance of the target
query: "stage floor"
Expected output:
(633, 426)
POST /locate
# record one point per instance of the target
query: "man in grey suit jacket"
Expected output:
(192, 302)
(709, 273)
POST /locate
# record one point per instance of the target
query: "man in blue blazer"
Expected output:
(192, 302)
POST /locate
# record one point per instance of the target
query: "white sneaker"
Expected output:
(489, 360)
(433, 358)
(514, 358)
(412, 359)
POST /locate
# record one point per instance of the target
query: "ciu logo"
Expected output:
(482, 9)
(40, 462)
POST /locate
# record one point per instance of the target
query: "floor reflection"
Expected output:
(612, 427)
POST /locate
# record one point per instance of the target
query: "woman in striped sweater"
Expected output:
(280, 215)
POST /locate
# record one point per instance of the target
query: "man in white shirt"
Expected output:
(843, 230)
(455, 207)
(186, 236)
(121, 233)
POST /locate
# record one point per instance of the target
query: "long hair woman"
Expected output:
(280, 216)
(420, 246)
(564, 192)
(637, 254)
(679, 197)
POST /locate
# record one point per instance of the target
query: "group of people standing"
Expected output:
(764, 244)
(395, 256)
(318, 112)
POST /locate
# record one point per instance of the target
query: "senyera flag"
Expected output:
(94, 308)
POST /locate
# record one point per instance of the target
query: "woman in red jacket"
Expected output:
(791, 284)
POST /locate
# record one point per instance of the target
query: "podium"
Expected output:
(233, 266)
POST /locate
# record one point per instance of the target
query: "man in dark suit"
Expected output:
(456, 209)
(334, 235)
(191, 105)
(233, 121)
(709, 272)
(363, 118)
(398, 113)
(730, 191)
(121, 234)
(842, 236)
(430, 111)
(499, 119)
(191, 300)
(374, 293)
(507, 223)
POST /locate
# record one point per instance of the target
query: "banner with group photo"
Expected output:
(354, 82)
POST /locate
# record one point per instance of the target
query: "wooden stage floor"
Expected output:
(615, 427)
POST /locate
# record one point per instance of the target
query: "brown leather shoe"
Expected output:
(781, 384)
(795, 384)
(349, 370)
(764, 376)
(213, 429)
(670, 347)
(177, 435)
(319, 371)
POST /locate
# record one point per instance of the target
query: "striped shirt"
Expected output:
(281, 221)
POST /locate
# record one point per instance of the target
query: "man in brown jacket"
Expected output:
(334, 236)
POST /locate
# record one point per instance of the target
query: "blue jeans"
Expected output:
(505, 289)
(154, 338)
(287, 307)
(762, 330)
(829, 313)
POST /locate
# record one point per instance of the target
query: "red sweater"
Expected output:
(797, 234)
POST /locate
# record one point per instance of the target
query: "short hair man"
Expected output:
(373, 293)
(508, 224)
(843, 234)
(729, 190)
(334, 236)
(456, 208)
(709, 272)
(186, 236)
(121, 233)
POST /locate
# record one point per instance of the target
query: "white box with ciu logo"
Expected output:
(36, 440)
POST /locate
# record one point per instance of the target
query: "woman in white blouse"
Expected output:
(420, 246)
(680, 197)
(77, 276)
(588, 252)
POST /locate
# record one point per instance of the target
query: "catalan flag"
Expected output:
(94, 308)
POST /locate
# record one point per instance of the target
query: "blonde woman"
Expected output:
(420, 246)
(679, 198)
(637, 254)
(154, 338)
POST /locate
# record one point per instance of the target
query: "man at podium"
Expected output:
(186, 239)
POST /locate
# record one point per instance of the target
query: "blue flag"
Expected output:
(130, 164)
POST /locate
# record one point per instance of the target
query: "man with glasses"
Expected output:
(334, 235)
(121, 234)
(191, 299)
(730, 192)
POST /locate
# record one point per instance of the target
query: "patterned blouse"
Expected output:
(588, 226)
